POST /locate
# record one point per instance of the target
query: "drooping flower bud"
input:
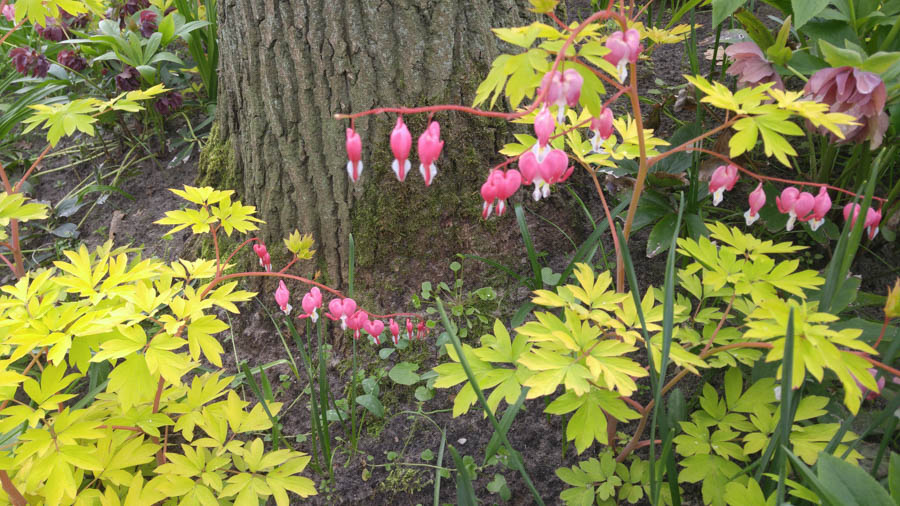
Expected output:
(722, 180)
(282, 297)
(263, 254)
(354, 155)
(395, 331)
(602, 126)
(401, 143)
(544, 125)
(409, 329)
(873, 220)
(430, 145)
(757, 199)
(9, 12)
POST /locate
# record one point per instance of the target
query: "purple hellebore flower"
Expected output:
(855, 92)
(750, 66)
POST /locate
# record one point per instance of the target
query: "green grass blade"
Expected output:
(529, 248)
(351, 271)
(787, 414)
(276, 432)
(508, 416)
(465, 493)
(437, 472)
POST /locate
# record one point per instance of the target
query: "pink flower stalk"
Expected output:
(264, 260)
(354, 155)
(855, 92)
(430, 145)
(543, 174)
(312, 301)
(395, 331)
(401, 142)
(722, 180)
(544, 125)
(624, 48)
(602, 126)
(500, 186)
(873, 218)
(409, 329)
(563, 89)
(9, 12)
(374, 328)
(357, 321)
(757, 200)
(282, 296)
(820, 208)
(341, 309)
(750, 66)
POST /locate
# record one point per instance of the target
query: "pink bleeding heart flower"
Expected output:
(395, 331)
(341, 309)
(820, 208)
(602, 126)
(354, 155)
(757, 199)
(563, 88)
(543, 174)
(401, 142)
(374, 328)
(282, 296)
(421, 330)
(409, 329)
(722, 180)
(357, 321)
(9, 12)
(787, 204)
(624, 48)
(312, 301)
(430, 145)
(803, 206)
(544, 125)
(500, 186)
(264, 260)
(873, 220)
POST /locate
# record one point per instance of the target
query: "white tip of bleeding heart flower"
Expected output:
(428, 173)
(622, 67)
(717, 196)
(814, 224)
(287, 309)
(354, 172)
(486, 210)
(401, 174)
(790, 222)
(751, 218)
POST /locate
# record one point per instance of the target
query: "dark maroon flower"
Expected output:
(21, 58)
(79, 21)
(52, 30)
(72, 60)
(129, 79)
(855, 92)
(168, 103)
(750, 66)
(130, 7)
(28, 60)
(148, 23)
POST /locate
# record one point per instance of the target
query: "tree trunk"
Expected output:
(287, 66)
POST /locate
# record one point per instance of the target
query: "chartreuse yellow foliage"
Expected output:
(155, 429)
(580, 348)
(764, 112)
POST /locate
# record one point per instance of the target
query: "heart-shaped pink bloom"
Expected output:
(528, 167)
(312, 301)
(341, 309)
(785, 202)
(357, 321)
(354, 155)
(722, 180)
(553, 170)
(804, 205)
(602, 126)
(821, 207)
(374, 328)
(489, 194)
(409, 328)
(618, 49)
(264, 259)
(430, 145)
(401, 143)
(572, 82)
(395, 331)
(757, 200)
(873, 220)
(544, 125)
(282, 296)
(633, 41)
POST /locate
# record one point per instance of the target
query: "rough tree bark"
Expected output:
(287, 66)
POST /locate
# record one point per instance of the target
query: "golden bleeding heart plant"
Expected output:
(157, 428)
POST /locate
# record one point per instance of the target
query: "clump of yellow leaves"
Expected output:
(148, 323)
